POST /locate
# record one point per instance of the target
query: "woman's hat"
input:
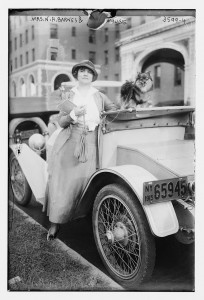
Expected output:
(87, 64)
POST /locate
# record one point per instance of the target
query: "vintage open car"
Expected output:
(144, 187)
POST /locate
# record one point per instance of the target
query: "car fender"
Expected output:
(15, 122)
(161, 216)
(34, 169)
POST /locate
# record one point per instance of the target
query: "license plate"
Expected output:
(165, 190)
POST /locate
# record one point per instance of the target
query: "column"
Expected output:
(126, 66)
(38, 83)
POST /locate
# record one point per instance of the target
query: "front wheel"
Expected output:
(122, 236)
(21, 190)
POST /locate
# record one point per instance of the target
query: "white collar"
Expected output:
(92, 90)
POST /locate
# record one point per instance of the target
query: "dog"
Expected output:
(131, 93)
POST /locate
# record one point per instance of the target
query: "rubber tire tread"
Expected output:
(28, 192)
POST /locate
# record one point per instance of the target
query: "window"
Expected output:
(22, 88)
(53, 31)
(26, 36)
(33, 32)
(117, 77)
(15, 41)
(21, 60)
(21, 40)
(16, 63)
(73, 31)
(106, 56)
(13, 92)
(32, 86)
(92, 56)
(53, 55)
(73, 54)
(117, 54)
(11, 66)
(92, 36)
(106, 89)
(117, 31)
(177, 76)
(106, 34)
(27, 57)
(129, 23)
(117, 89)
(157, 76)
(33, 54)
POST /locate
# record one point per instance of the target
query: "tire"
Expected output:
(21, 190)
(129, 258)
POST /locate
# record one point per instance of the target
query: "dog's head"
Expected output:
(144, 81)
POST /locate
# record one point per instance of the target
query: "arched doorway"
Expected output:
(32, 86)
(22, 88)
(13, 89)
(59, 79)
(164, 55)
(167, 71)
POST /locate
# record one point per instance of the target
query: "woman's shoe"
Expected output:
(52, 232)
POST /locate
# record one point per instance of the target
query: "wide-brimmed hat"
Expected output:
(87, 64)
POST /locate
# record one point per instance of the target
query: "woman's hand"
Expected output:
(80, 110)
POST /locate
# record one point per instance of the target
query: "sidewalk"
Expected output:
(35, 264)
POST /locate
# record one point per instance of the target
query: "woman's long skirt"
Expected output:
(68, 177)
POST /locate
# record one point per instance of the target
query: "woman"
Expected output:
(68, 172)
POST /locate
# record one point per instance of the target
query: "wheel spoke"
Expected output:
(120, 255)
(101, 228)
(118, 209)
(18, 185)
(109, 215)
(118, 236)
(108, 211)
(128, 236)
(103, 220)
(132, 242)
(128, 220)
(18, 190)
(114, 215)
(128, 253)
(124, 250)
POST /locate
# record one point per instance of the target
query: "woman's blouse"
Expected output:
(92, 118)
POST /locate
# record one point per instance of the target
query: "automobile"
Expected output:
(29, 115)
(143, 189)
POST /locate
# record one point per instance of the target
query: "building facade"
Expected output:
(166, 47)
(43, 51)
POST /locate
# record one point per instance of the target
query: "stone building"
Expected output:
(166, 47)
(44, 49)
